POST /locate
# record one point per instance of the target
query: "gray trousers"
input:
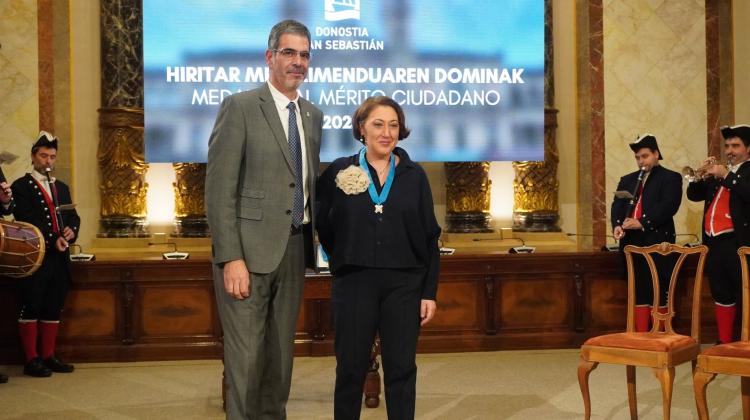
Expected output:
(259, 337)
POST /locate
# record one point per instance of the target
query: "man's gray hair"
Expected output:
(289, 26)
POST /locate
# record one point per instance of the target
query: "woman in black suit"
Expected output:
(377, 224)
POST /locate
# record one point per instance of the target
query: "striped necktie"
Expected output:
(295, 151)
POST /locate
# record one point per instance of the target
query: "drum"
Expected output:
(21, 249)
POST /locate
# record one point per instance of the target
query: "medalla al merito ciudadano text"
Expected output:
(419, 97)
(342, 96)
(398, 75)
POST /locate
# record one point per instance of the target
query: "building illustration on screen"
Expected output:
(511, 128)
(336, 10)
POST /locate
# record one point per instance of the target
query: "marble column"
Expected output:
(592, 203)
(719, 73)
(121, 151)
(535, 187)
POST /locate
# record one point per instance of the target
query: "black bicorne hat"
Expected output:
(646, 140)
(45, 140)
(742, 131)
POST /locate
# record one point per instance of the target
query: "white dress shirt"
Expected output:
(42, 178)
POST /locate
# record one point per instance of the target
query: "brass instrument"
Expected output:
(694, 175)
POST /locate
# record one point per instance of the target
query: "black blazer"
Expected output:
(662, 194)
(30, 207)
(405, 235)
(738, 185)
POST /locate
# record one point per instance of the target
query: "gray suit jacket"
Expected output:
(249, 179)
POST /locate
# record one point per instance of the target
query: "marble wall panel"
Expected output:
(19, 81)
(46, 60)
(655, 79)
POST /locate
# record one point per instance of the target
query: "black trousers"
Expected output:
(367, 301)
(43, 293)
(724, 270)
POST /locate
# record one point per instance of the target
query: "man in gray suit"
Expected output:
(263, 158)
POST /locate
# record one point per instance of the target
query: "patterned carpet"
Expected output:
(496, 385)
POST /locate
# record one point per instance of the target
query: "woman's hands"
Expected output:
(427, 310)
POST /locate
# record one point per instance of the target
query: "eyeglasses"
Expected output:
(292, 53)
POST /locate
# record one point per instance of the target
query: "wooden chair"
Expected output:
(729, 359)
(661, 348)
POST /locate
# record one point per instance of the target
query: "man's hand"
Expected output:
(61, 244)
(618, 232)
(68, 234)
(5, 193)
(631, 223)
(717, 171)
(427, 310)
(237, 279)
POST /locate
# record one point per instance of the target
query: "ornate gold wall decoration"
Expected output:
(189, 202)
(535, 188)
(467, 196)
(189, 187)
(123, 169)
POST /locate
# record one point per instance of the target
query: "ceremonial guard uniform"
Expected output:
(43, 293)
(726, 224)
(657, 193)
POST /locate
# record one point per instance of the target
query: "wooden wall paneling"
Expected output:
(315, 330)
(127, 299)
(172, 301)
(536, 303)
(461, 319)
(93, 309)
(162, 310)
(606, 303)
(460, 306)
(490, 303)
(167, 311)
(579, 300)
(90, 313)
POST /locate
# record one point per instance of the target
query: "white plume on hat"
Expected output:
(46, 135)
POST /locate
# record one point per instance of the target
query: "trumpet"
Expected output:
(694, 175)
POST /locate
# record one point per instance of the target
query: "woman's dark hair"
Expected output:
(364, 110)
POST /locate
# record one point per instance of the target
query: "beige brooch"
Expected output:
(352, 180)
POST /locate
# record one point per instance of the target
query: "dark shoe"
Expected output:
(56, 365)
(36, 368)
(3, 378)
